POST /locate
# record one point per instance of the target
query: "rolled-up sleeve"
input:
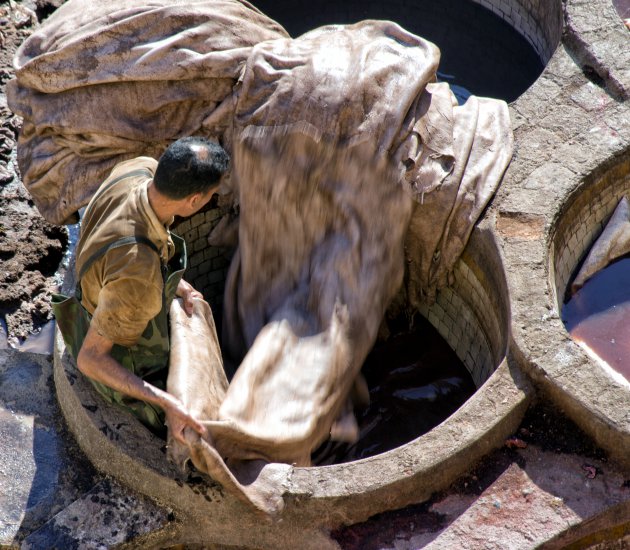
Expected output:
(131, 294)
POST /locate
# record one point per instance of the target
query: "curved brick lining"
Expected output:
(539, 21)
(473, 314)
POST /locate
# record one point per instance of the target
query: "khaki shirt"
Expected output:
(123, 288)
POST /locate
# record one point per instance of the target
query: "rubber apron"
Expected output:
(148, 358)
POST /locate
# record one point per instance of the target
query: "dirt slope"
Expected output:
(30, 248)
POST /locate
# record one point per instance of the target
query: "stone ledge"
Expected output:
(319, 498)
(104, 517)
(595, 33)
(581, 135)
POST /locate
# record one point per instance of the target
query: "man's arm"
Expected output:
(95, 361)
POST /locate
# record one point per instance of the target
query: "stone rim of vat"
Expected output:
(317, 498)
(320, 498)
(526, 220)
(591, 396)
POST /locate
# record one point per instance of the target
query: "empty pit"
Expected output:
(492, 48)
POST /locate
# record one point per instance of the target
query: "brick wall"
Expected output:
(207, 265)
(539, 21)
(581, 223)
(472, 314)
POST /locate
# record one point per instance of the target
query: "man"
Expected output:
(129, 268)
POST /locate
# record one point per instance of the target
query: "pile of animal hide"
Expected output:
(353, 169)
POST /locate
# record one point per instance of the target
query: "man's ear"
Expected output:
(195, 200)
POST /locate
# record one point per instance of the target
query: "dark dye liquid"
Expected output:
(623, 8)
(599, 315)
(481, 53)
(416, 381)
(41, 341)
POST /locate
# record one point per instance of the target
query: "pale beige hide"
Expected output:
(104, 81)
(195, 364)
(613, 243)
(354, 172)
(328, 170)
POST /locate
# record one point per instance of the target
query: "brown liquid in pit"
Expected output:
(416, 381)
(623, 8)
(599, 315)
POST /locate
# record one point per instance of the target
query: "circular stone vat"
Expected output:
(580, 224)
(596, 397)
(472, 316)
(493, 48)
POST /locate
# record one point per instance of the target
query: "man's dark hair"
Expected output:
(190, 165)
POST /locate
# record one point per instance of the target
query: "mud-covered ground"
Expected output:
(30, 248)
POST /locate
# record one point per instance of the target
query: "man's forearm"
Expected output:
(103, 368)
(96, 362)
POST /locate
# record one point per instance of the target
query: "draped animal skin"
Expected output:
(197, 378)
(327, 172)
(357, 176)
(613, 243)
(102, 82)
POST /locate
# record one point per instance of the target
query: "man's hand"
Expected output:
(188, 294)
(178, 419)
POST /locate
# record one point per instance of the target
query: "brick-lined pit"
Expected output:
(539, 21)
(580, 223)
(493, 48)
(472, 315)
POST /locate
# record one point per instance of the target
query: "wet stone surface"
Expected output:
(50, 495)
(547, 478)
(106, 516)
(41, 468)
